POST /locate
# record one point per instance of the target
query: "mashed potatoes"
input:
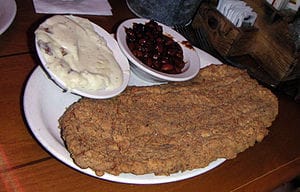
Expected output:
(77, 54)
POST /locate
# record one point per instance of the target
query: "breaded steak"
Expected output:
(169, 128)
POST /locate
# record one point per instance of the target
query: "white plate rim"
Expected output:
(190, 55)
(8, 15)
(32, 104)
(119, 56)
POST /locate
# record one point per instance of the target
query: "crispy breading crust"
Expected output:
(169, 128)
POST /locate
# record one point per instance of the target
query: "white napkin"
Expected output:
(85, 7)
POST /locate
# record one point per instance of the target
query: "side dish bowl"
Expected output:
(101, 93)
(190, 56)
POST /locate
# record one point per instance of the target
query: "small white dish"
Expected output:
(8, 10)
(145, 72)
(97, 94)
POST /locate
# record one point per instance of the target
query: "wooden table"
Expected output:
(26, 166)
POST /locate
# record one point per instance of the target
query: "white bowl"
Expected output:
(102, 93)
(145, 72)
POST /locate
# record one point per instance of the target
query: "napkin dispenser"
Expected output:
(267, 50)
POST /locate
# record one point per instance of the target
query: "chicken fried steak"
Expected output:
(169, 128)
